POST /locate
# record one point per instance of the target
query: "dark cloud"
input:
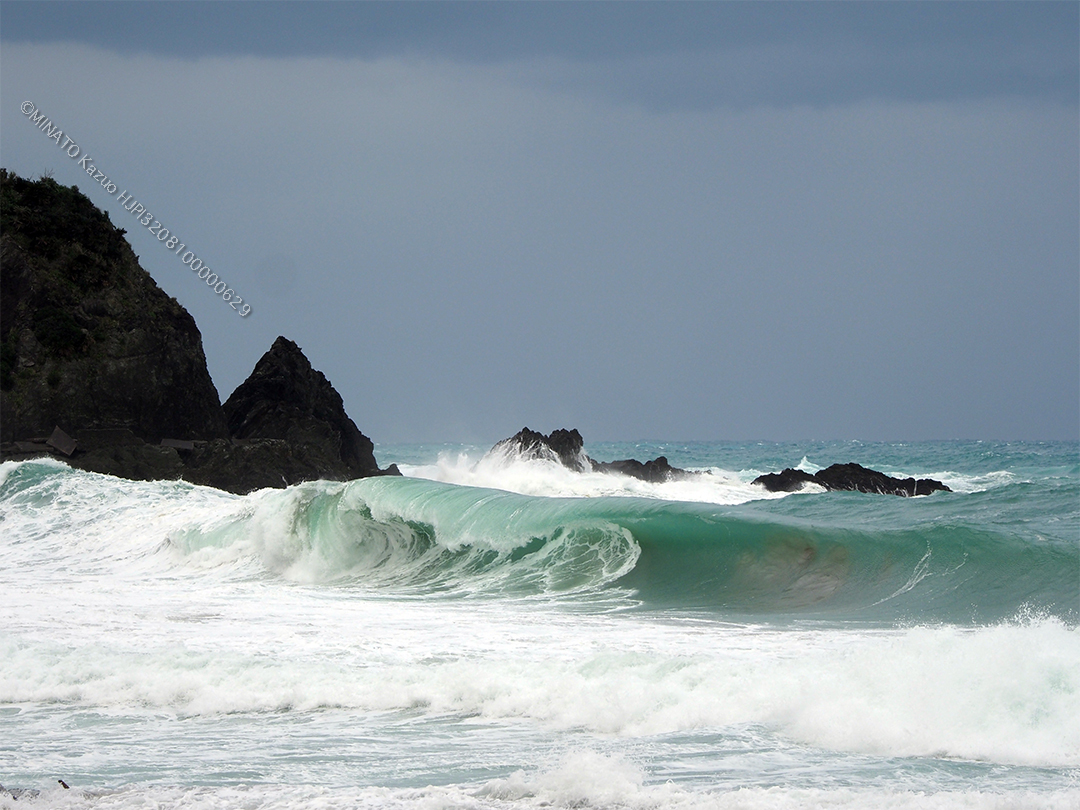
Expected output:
(669, 231)
(661, 54)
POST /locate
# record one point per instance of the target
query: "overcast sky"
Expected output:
(672, 221)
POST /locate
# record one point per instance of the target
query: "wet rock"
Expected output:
(849, 477)
(567, 447)
(656, 471)
(564, 446)
(790, 480)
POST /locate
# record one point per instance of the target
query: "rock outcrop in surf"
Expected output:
(851, 478)
(563, 446)
(101, 368)
(567, 448)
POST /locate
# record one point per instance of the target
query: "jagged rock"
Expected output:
(285, 398)
(849, 477)
(790, 480)
(560, 445)
(288, 425)
(566, 447)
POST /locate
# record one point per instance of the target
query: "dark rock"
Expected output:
(137, 462)
(35, 448)
(288, 425)
(860, 479)
(91, 439)
(87, 339)
(850, 477)
(178, 444)
(242, 467)
(285, 398)
(561, 445)
(566, 447)
(656, 471)
(790, 480)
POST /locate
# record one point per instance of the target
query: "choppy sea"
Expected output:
(489, 632)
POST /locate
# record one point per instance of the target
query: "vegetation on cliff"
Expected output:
(89, 340)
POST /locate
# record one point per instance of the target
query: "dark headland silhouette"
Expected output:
(101, 368)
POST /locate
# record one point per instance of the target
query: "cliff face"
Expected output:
(88, 339)
(99, 360)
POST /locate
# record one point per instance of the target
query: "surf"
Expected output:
(426, 538)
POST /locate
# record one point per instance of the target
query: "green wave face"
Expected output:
(431, 538)
(424, 538)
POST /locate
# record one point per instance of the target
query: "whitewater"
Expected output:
(493, 632)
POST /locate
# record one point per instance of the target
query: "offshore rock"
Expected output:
(852, 478)
(566, 447)
(563, 446)
(99, 367)
(285, 398)
(656, 471)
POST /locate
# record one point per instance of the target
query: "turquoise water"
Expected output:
(488, 632)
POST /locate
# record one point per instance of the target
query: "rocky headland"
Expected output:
(101, 368)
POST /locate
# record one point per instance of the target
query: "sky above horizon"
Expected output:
(644, 220)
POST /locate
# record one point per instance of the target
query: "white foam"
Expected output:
(153, 599)
(567, 787)
(1008, 693)
(548, 477)
(968, 483)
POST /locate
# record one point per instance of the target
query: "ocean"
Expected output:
(488, 632)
